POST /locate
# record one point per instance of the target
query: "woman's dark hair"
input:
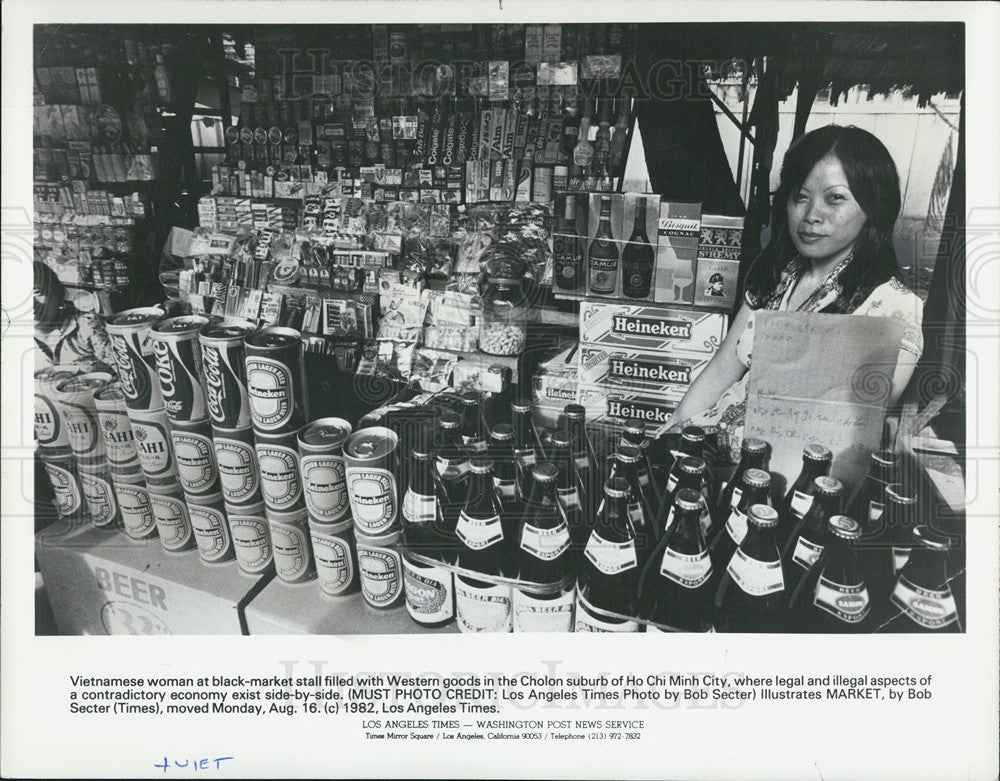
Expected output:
(874, 182)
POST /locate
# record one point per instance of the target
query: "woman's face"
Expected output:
(824, 220)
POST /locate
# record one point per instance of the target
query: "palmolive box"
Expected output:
(645, 327)
(104, 583)
(618, 406)
(658, 373)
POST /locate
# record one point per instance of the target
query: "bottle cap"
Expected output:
(884, 458)
(930, 539)
(423, 447)
(521, 405)
(628, 454)
(692, 465)
(562, 439)
(616, 488)
(756, 478)
(754, 445)
(544, 473)
(817, 453)
(687, 500)
(480, 465)
(575, 412)
(843, 527)
(635, 427)
(502, 432)
(470, 397)
(450, 419)
(827, 486)
(693, 434)
(900, 494)
(763, 515)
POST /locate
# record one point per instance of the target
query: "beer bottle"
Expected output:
(805, 543)
(603, 256)
(422, 503)
(635, 434)
(640, 509)
(638, 257)
(816, 460)
(725, 541)
(525, 443)
(568, 491)
(544, 557)
(754, 454)
(692, 477)
(921, 599)
(567, 270)
(901, 517)
(481, 605)
(833, 597)
(501, 450)
(583, 453)
(609, 573)
(692, 444)
(452, 468)
(680, 594)
(869, 502)
(473, 428)
(751, 596)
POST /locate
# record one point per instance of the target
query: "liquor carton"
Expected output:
(102, 582)
(618, 406)
(284, 608)
(646, 327)
(658, 373)
(719, 248)
(677, 252)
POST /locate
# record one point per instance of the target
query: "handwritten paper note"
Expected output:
(823, 379)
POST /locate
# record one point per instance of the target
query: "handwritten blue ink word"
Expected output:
(193, 764)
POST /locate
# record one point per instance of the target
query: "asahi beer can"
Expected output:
(239, 472)
(280, 481)
(275, 380)
(251, 538)
(173, 523)
(49, 428)
(380, 566)
(194, 452)
(336, 555)
(151, 429)
(223, 353)
(429, 591)
(65, 481)
(116, 428)
(211, 529)
(293, 554)
(321, 445)
(99, 494)
(136, 510)
(129, 333)
(75, 397)
(179, 366)
(370, 472)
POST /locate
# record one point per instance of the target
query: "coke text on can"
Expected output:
(179, 366)
(223, 347)
(128, 333)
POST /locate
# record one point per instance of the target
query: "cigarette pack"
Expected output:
(648, 327)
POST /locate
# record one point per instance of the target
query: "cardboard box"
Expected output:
(658, 373)
(715, 283)
(104, 583)
(285, 609)
(677, 252)
(618, 406)
(646, 327)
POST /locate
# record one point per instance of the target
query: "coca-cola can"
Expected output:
(211, 528)
(151, 429)
(75, 398)
(251, 538)
(370, 472)
(380, 565)
(194, 452)
(321, 445)
(280, 480)
(336, 553)
(136, 510)
(116, 428)
(223, 352)
(275, 380)
(239, 472)
(129, 334)
(177, 349)
(65, 482)
(293, 554)
(173, 523)
(99, 494)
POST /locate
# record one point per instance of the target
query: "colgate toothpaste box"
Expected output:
(618, 406)
(661, 373)
(652, 328)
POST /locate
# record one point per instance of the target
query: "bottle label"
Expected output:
(636, 515)
(429, 592)
(737, 495)
(532, 614)
(806, 553)
(589, 622)
(899, 558)
(419, 509)
(756, 578)
(689, 571)
(849, 604)
(506, 490)
(449, 469)
(801, 503)
(671, 482)
(569, 498)
(610, 557)
(875, 510)
(736, 525)
(485, 609)
(479, 533)
(930, 609)
(670, 520)
(545, 544)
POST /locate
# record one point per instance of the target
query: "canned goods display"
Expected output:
(239, 472)
(194, 452)
(223, 352)
(293, 555)
(251, 538)
(280, 482)
(129, 334)
(211, 530)
(136, 510)
(151, 430)
(75, 397)
(336, 553)
(275, 380)
(173, 523)
(99, 494)
(380, 566)
(429, 592)
(322, 468)
(116, 428)
(179, 366)
(370, 468)
(65, 484)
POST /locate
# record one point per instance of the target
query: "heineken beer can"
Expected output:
(223, 353)
(381, 569)
(170, 512)
(251, 538)
(129, 333)
(336, 553)
(136, 510)
(275, 380)
(99, 494)
(280, 481)
(293, 555)
(211, 529)
(324, 486)
(177, 350)
(65, 481)
(370, 473)
(239, 472)
(194, 452)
